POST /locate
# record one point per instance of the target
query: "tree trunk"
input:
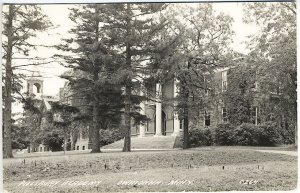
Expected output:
(186, 122)
(127, 133)
(95, 129)
(95, 137)
(8, 88)
(296, 136)
(65, 142)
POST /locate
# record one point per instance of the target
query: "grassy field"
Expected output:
(202, 169)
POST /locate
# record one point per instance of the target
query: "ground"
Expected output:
(199, 169)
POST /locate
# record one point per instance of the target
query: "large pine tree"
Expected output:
(94, 64)
(136, 32)
(20, 23)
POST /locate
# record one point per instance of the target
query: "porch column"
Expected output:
(142, 105)
(158, 110)
(176, 119)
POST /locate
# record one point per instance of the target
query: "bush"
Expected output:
(246, 134)
(200, 137)
(288, 133)
(266, 134)
(224, 134)
(269, 134)
(109, 136)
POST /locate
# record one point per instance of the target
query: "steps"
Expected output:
(151, 142)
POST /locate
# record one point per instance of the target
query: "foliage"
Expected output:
(109, 136)
(274, 51)
(54, 140)
(93, 70)
(240, 93)
(138, 30)
(265, 134)
(200, 137)
(205, 36)
(20, 137)
(20, 23)
(224, 134)
(247, 134)
(269, 134)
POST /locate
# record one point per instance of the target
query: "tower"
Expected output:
(35, 84)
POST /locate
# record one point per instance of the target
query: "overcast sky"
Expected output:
(58, 15)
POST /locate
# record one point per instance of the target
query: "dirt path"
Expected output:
(291, 153)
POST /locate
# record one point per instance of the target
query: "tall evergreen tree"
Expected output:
(94, 67)
(20, 23)
(135, 30)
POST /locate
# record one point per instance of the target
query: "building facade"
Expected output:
(160, 110)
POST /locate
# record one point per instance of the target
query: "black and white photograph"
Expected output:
(161, 96)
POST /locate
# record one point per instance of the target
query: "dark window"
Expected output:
(207, 118)
(83, 147)
(78, 147)
(38, 87)
(147, 126)
(224, 115)
(181, 123)
(224, 81)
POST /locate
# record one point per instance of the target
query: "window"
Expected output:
(83, 147)
(37, 88)
(78, 147)
(147, 126)
(206, 119)
(224, 115)
(224, 81)
(181, 124)
(206, 82)
(41, 149)
(254, 115)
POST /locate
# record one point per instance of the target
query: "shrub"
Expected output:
(224, 134)
(200, 137)
(288, 133)
(269, 134)
(109, 136)
(246, 134)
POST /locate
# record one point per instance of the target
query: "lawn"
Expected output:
(202, 169)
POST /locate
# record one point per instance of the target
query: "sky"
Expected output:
(58, 14)
(59, 17)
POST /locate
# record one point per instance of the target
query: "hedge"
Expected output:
(266, 134)
(199, 137)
